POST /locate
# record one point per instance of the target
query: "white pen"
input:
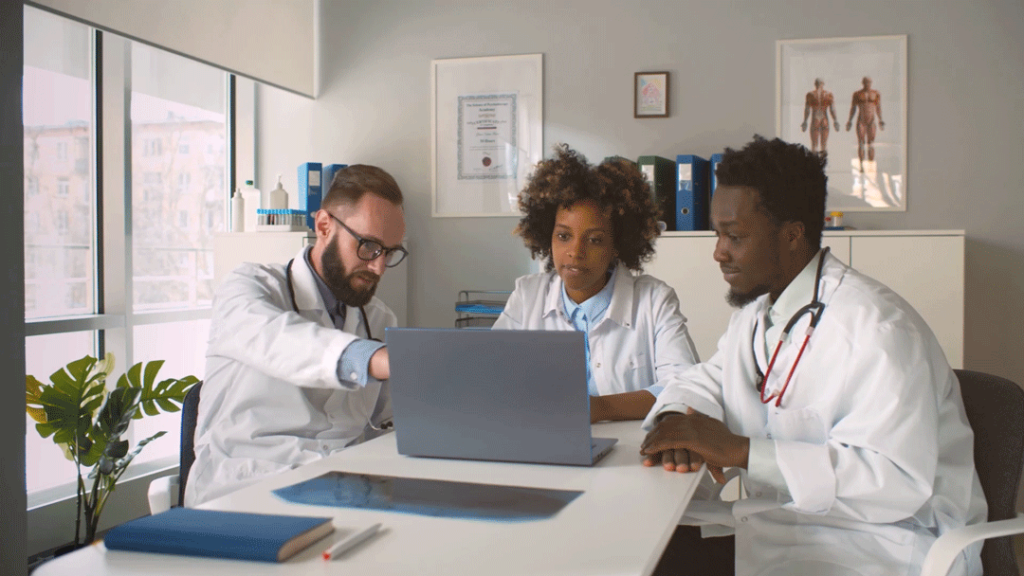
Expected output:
(350, 542)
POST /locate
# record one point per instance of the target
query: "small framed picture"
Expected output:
(650, 95)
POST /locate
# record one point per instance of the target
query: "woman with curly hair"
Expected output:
(595, 226)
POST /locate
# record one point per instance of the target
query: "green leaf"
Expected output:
(117, 413)
(70, 402)
(122, 463)
(151, 369)
(165, 396)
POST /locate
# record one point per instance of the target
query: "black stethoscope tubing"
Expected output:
(295, 306)
(815, 309)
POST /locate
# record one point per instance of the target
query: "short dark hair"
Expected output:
(351, 183)
(615, 184)
(789, 178)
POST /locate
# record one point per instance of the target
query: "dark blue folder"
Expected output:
(238, 535)
(692, 193)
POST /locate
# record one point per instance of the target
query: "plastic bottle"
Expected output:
(253, 202)
(278, 196)
(237, 211)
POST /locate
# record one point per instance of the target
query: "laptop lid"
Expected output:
(507, 395)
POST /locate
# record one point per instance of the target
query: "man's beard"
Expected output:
(738, 300)
(340, 281)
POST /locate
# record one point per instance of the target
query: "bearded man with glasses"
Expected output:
(295, 369)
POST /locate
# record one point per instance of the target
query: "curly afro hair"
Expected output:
(616, 183)
(790, 179)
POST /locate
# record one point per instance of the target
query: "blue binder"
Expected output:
(329, 171)
(692, 193)
(715, 159)
(309, 190)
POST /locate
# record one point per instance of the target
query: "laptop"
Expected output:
(505, 395)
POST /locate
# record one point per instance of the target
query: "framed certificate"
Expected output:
(487, 129)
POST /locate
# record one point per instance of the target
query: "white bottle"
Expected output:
(278, 196)
(237, 212)
(251, 197)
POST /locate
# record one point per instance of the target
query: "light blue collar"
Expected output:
(595, 306)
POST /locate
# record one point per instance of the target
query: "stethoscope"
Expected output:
(815, 308)
(295, 306)
(366, 326)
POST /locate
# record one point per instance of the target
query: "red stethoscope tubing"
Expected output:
(815, 308)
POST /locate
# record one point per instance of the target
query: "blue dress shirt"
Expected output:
(586, 315)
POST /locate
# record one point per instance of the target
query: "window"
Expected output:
(175, 100)
(184, 179)
(150, 298)
(58, 101)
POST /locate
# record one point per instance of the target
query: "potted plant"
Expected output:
(87, 420)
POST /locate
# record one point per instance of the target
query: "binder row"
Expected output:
(682, 189)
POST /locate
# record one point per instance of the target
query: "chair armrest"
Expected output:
(730, 473)
(944, 551)
(163, 494)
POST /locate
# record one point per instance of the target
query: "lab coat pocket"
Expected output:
(800, 425)
(632, 372)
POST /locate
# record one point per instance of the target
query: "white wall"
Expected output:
(269, 40)
(13, 555)
(965, 143)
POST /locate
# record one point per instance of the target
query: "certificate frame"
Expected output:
(486, 133)
(865, 80)
(650, 95)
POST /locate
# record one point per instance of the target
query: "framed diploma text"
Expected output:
(487, 129)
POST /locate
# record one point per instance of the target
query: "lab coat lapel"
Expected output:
(307, 296)
(622, 308)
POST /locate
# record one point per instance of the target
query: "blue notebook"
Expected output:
(238, 535)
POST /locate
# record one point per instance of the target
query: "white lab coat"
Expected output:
(271, 399)
(639, 342)
(871, 439)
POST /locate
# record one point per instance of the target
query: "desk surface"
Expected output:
(619, 525)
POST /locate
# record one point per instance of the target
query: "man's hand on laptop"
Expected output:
(380, 365)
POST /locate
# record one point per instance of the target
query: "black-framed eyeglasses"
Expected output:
(370, 250)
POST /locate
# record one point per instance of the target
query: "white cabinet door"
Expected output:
(928, 272)
(686, 264)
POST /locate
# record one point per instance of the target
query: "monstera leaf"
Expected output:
(165, 396)
(65, 408)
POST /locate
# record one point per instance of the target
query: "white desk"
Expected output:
(619, 525)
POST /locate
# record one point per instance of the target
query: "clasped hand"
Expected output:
(682, 442)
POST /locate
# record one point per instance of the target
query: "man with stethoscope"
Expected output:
(828, 391)
(295, 368)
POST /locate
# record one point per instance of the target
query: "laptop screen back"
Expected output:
(508, 395)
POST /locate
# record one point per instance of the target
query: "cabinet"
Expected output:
(233, 248)
(926, 268)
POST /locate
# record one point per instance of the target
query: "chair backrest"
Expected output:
(995, 410)
(189, 413)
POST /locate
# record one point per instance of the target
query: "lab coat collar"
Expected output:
(307, 295)
(797, 294)
(621, 309)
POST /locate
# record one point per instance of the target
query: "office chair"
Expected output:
(995, 410)
(163, 491)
